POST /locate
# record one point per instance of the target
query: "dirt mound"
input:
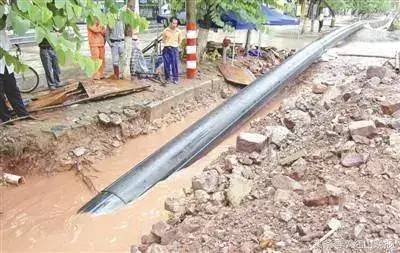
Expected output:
(330, 168)
(81, 135)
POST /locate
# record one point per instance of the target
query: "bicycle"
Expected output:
(28, 80)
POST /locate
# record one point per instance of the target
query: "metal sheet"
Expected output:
(107, 88)
(55, 97)
(236, 75)
(87, 92)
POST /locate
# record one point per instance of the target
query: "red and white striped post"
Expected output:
(191, 39)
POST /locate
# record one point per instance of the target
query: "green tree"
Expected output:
(361, 6)
(56, 20)
(210, 11)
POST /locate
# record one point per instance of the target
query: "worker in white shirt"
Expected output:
(8, 84)
(115, 38)
(323, 13)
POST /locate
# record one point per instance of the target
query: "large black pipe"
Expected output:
(187, 146)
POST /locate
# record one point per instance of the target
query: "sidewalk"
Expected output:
(281, 37)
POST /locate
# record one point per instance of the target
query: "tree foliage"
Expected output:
(56, 20)
(361, 6)
(210, 11)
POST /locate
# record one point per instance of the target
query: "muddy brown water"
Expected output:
(40, 216)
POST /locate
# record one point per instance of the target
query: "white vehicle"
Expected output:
(166, 14)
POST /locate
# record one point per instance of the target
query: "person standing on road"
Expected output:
(96, 37)
(323, 13)
(115, 38)
(172, 39)
(8, 84)
(126, 58)
(50, 64)
(138, 66)
(130, 39)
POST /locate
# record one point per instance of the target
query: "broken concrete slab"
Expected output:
(296, 119)
(160, 228)
(352, 160)
(364, 128)
(319, 88)
(376, 71)
(104, 118)
(321, 201)
(291, 158)
(394, 140)
(278, 134)
(282, 196)
(251, 142)
(238, 189)
(390, 106)
(175, 204)
(79, 151)
(207, 181)
(286, 183)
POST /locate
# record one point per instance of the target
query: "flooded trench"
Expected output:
(40, 216)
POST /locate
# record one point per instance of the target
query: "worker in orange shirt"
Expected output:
(96, 36)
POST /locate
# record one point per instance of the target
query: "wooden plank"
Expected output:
(100, 97)
(55, 97)
(108, 87)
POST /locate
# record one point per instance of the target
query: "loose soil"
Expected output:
(64, 139)
(300, 188)
(319, 175)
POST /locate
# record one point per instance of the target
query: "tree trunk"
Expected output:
(312, 7)
(128, 44)
(131, 6)
(248, 37)
(190, 11)
(202, 39)
(332, 11)
(303, 16)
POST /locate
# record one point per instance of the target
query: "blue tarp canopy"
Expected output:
(233, 19)
(230, 18)
(274, 17)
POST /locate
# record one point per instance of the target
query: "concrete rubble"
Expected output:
(330, 168)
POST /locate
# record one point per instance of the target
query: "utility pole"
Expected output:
(133, 5)
(191, 39)
(128, 32)
(313, 12)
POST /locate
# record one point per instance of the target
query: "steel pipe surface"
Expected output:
(190, 144)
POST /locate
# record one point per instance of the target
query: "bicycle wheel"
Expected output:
(27, 81)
